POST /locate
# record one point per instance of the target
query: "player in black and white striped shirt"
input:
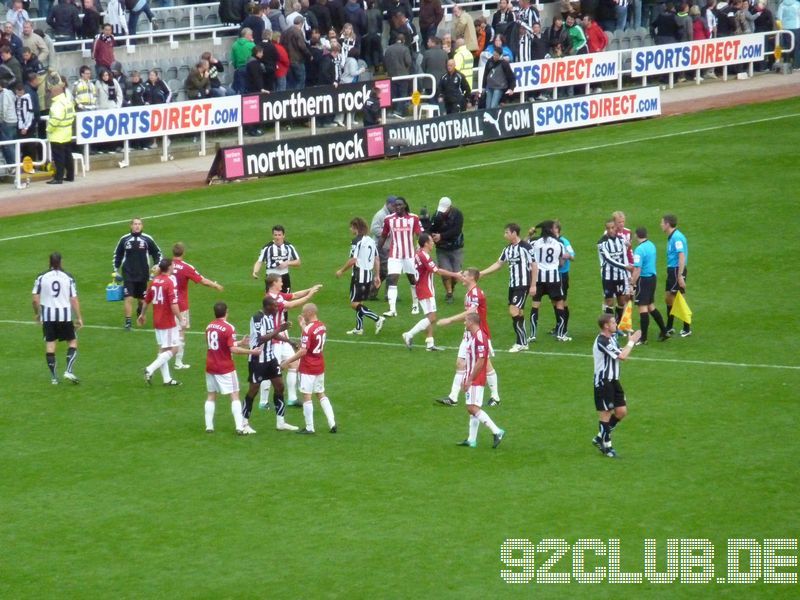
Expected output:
(609, 397)
(264, 367)
(614, 269)
(548, 256)
(517, 255)
(278, 255)
(56, 307)
(366, 264)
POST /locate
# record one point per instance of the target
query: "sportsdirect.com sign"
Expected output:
(310, 102)
(571, 70)
(593, 110)
(702, 54)
(135, 122)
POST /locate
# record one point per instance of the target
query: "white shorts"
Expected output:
(395, 266)
(462, 348)
(185, 316)
(474, 395)
(312, 384)
(222, 384)
(428, 305)
(283, 351)
(168, 338)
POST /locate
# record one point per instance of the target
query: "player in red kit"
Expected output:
(474, 302)
(163, 295)
(221, 375)
(402, 227)
(283, 350)
(426, 267)
(475, 381)
(312, 368)
(183, 273)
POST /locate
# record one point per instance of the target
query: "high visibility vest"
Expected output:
(464, 63)
(62, 117)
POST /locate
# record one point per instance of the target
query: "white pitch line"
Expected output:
(712, 363)
(404, 177)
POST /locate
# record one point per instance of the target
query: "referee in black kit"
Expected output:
(56, 307)
(609, 397)
(131, 255)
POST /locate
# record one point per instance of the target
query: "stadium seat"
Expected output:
(619, 34)
(613, 44)
(171, 72)
(170, 23)
(176, 85)
(642, 32)
(186, 22)
(610, 36)
(211, 19)
(625, 43)
(183, 72)
(77, 157)
(636, 41)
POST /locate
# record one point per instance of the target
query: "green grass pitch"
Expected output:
(111, 489)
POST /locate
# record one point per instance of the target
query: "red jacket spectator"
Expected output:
(103, 49)
(282, 66)
(595, 36)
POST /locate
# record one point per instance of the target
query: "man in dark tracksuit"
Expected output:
(131, 255)
(447, 233)
(453, 89)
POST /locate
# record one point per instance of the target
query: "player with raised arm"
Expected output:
(264, 366)
(312, 368)
(474, 302)
(57, 308)
(183, 273)
(475, 381)
(221, 375)
(366, 265)
(426, 267)
(278, 255)
(285, 300)
(163, 295)
(401, 227)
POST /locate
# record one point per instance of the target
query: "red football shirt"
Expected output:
(426, 267)
(313, 340)
(183, 272)
(162, 295)
(625, 234)
(477, 347)
(402, 232)
(476, 299)
(280, 317)
(220, 338)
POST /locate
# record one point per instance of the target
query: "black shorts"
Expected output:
(517, 296)
(645, 291)
(286, 284)
(267, 371)
(613, 288)
(609, 395)
(565, 284)
(552, 289)
(134, 289)
(672, 280)
(359, 292)
(63, 331)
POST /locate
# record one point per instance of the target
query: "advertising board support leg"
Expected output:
(240, 135)
(278, 129)
(126, 155)
(164, 148)
(349, 120)
(725, 73)
(86, 156)
(671, 80)
(313, 125)
(698, 77)
(750, 70)
(202, 144)
(17, 168)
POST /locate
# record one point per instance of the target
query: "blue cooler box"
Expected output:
(114, 292)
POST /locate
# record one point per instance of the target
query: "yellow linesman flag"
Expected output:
(681, 310)
(626, 322)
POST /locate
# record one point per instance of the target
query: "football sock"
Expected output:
(391, 294)
(670, 318)
(72, 354)
(534, 321)
(248, 406)
(365, 312)
(605, 428)
(644, 320)
(618, 310)
(236, 409)
(686, 327)
(138, 308)
(456, 387)
(280, 406)
(414, 301)
(210, 406)
(128, 322)
(308, 414)
(179, 355)
(561, 322)
(264, 392)
(51, 362)
(429, 342)
(566, 311)
(487, 420)
(291, 385)
(165, 375)
(474, 424)
(325, 403)
(608, 310)
(160, 360)
(421, 325)
(658, 319)
(359, 318)
(491, 381)
(612, 422)
(519, 330)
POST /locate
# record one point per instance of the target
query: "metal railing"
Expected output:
(17, 165)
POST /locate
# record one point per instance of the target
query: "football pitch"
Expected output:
(112, 488)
